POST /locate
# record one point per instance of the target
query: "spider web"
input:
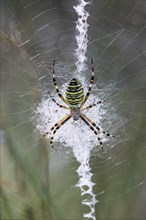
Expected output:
(34, 33)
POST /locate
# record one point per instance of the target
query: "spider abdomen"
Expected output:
(74, 93)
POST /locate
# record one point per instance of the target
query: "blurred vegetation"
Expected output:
(36, 185)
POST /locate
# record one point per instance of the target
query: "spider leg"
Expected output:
(94, 125)
(61, 106)
(56, 87)
(90, 86)
(94, 104)
(57, 126)
(49, 132)
(82, 116)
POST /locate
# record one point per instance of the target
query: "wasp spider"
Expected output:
(75, 102)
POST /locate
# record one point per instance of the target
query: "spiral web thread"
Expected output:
(82, 152)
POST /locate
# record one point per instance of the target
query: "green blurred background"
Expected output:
(36, 182)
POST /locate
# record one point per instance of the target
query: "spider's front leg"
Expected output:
(97, 128)
(92, 126)
(84, 118)
(56, 127)
(49, 132)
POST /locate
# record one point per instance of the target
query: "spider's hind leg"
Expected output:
(56, 87)
(94, 104)
(61, 106)
(90, 86)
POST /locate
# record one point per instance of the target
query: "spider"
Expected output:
(75, 102)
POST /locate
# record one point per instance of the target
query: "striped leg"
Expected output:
(95, 126)
(56, 87)
(57, 126)
(49, 132)
(91, 84)
(84, 118)
(61, 106)
(94, 104)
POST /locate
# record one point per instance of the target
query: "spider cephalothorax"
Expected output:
(75, 101)
(75, 113)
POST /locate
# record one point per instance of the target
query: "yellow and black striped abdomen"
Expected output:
(74, 93)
